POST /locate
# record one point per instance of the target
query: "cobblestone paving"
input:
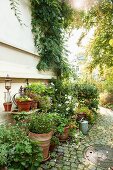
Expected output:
(70, 156)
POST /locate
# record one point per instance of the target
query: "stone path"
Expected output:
(70, 156)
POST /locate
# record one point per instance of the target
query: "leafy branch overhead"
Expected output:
(100, 17)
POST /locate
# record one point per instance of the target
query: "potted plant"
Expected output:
(45, 103)
(23, 103)
(54, 142)
(62, 127)
(41, 130)
(81, 113)
(17, 151)
(35, 91)
(7, 104)
(84, 113)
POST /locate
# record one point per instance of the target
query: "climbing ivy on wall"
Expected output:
(50, 21)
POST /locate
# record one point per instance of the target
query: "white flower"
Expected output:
(67, 108)
(52, 84)
(69, 97)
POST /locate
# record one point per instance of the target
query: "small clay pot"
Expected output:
(7, 106)
(65, 134)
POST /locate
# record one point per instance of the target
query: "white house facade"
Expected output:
(18, 56)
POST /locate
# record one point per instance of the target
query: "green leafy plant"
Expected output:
(89, 115)
(22, 116)
(45, 103)
(40, 123)
(55, 140)
(99, 17)
(18, 151)
(62, 98)
(23, 99)
(87, 95)
(38, 88)
(49, 20)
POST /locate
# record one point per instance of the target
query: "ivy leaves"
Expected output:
(50, 19)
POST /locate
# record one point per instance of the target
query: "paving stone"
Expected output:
(73, 157)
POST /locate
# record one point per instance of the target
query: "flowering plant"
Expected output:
(62, 98)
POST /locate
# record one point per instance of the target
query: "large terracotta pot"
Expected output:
(44, 142)
(7, 106)
(65, 134)
(23, 105)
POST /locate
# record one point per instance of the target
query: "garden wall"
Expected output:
(18, 57)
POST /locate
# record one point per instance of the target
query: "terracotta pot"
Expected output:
(3, 168)
(44, 142)
(24, 105)
(34, 105)
(52, 147)
(81, 116)
(65, 134)
(7, 106)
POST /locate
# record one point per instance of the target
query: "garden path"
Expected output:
(70, 156)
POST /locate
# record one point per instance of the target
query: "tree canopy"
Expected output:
(100, 17)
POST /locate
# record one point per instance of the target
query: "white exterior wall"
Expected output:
(18, 56)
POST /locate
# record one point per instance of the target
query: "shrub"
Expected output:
(87, 94)
(18, 151)
(63, 100)
(89, 113)
(106, 98)
(37, 88)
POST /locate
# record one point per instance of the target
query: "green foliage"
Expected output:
(45, 103)
(100, 17)
(17, 150)
(108, 82)
(40, 124)
(40, 92)
(23, 99)
(87, 94)
(22, 116)
(63, 100)
(49, 20)
(54, 140)
(37, 88)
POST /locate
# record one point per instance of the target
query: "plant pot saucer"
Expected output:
(46, 158)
